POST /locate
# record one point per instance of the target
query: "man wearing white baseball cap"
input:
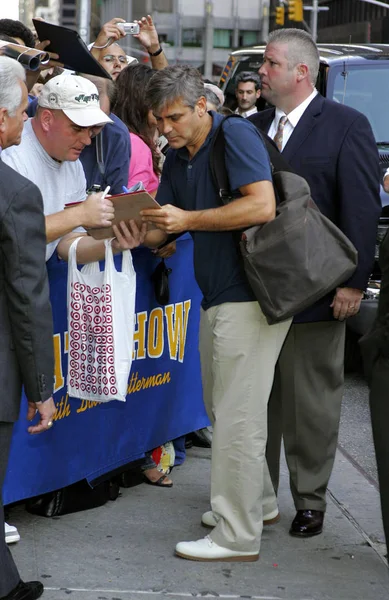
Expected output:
(77, 97)
(67, 117)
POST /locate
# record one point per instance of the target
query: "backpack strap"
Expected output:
(100, 153)
(217, 161)
(218, 164)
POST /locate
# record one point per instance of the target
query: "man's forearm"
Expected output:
(155, 238)
(238, 214)
(61, 223)
(88, 249)
(158, 62)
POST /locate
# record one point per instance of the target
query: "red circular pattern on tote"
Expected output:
(91, 361)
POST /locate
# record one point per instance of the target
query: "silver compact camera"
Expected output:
(129, 28)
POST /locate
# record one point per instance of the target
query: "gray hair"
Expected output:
(301, 49)
(11, 74)
(174, 83)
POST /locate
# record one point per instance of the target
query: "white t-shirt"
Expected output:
(59, 183)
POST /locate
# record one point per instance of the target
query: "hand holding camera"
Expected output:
(109, 33)
(129, 28)
(148, 35)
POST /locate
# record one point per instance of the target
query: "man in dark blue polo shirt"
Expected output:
(238, 348)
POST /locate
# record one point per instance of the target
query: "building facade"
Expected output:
(196, 32)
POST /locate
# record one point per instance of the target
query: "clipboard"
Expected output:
(71, 49)
(127, 206)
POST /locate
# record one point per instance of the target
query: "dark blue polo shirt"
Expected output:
(188, 184)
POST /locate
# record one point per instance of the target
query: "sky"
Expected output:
(9, 9)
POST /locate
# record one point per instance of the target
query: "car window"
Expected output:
(232, 69)
(365, 88)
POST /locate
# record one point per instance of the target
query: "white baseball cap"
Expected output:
(216, 90)
(77, 97)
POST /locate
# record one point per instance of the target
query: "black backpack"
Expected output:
(298, 257)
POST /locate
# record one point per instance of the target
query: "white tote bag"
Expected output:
(101, 317)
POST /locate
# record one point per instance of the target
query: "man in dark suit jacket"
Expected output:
(25, 312)
(333, 147)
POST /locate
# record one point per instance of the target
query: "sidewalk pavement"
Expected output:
(124, 550)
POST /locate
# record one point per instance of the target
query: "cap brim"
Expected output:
(87, 117)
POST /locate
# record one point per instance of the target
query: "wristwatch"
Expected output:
(157, 53)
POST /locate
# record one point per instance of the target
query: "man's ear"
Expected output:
(46, 119)
(201, 106)
(3, 119)
(302, 72)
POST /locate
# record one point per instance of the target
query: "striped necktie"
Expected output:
(278, 138)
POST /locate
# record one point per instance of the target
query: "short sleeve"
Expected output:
(247, 160)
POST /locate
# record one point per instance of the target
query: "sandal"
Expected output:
(158, 482)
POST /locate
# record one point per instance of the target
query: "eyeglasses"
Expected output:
(110, 58)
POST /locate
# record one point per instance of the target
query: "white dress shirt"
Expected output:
(246, 114)
(293, 118)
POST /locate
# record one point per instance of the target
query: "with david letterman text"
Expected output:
(163, 329)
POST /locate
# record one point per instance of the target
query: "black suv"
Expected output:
(358, 76)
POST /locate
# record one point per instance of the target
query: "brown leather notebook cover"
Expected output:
(127, 206)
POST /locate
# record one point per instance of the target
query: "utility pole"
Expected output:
(208, 42)
(314, 16)
(235, 17)
(84, 21)
(265, 5)
(178, 32)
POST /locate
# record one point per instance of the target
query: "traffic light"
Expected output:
(295, 10)
(280, 15)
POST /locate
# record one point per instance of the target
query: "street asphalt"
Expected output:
(124, 550)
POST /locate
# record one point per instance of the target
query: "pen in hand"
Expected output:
(106, 191)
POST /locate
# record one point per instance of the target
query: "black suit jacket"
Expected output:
(333, 148)
(26, 350)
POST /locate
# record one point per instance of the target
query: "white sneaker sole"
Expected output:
(12, 538)
(237, 558)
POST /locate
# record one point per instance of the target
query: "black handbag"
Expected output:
(73, 498)
(297, 258)
(160, 278)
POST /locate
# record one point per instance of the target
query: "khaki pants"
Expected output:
(238, 352)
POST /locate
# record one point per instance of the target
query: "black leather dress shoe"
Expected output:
(31, 590)
(307, 523)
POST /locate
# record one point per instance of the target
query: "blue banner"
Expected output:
(164, 398)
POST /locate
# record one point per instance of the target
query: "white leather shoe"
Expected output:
(207, 550)
(209, 519)
(11, 534)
